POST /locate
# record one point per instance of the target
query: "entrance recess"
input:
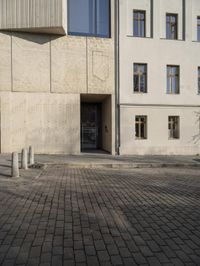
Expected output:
(96, 123)
(91, 126)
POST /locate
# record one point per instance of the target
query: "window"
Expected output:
(198, 29)
(140, 78)
(89, 17)
(198, 80)
(139, 23)
(173, 79)
(173, 126)
(141, 127)
(172, 26)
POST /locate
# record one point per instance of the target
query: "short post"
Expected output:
(15, 165)
(31, 156)
(24, 159)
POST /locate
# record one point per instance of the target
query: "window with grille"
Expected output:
(173, 79)
(139, 20)
(173, 127)
(198, 28)
(141, 127)
(172, 26)
(140, 78)
(198, 80)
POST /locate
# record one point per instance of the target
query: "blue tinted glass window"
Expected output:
(89, 17)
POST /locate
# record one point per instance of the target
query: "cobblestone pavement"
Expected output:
(101, 217)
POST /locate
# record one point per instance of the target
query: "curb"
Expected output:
(125, 165)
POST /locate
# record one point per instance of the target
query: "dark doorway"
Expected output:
(91, 129)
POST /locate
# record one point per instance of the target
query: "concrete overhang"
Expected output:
(34, 16)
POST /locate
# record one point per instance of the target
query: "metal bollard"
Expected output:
(24, 158)
(31, 156)
(15, 165)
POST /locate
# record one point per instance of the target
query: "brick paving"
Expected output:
(71, 216)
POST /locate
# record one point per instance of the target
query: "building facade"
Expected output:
(118, 75)
(57, 75)
(159, 77)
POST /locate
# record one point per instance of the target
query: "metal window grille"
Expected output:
(173, 79)
(172, 26)
(140, 78)
(173, 126)
(139, 19)
(141, 127)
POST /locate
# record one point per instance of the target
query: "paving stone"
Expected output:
(116, 260)
(77, 216)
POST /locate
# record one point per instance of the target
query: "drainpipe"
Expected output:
(117, 92)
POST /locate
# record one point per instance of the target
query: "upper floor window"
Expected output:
(140, 78)
(141, 127)
(89, 17)
(172, 26)
(198, 28)
(173, 127)
(139, 23)
(198, 80)
(173, 79)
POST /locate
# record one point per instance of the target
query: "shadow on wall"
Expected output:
(196, 138)
(39, 38)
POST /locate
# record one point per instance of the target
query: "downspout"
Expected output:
(117, 79)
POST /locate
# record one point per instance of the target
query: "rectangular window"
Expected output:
(172, 79)
(198, 29)
(198, 80)
(89, 17)
(140, 78)
(141, 127)
(139, 23)
(173, 127)
(172, 26)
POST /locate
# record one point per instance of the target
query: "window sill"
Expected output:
(173, 138)
(138, 37)
(177, 94)
(140, 93)
(88, 35)
(140, 139)
(178, 40)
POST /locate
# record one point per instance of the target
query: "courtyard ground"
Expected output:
(85, 216)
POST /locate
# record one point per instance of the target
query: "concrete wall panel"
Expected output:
(49, 122)
(100, 65)
(107, 124)
(5, 62)
(29, 14)
(68, 65)
(31, 63)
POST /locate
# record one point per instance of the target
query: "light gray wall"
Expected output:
(157, 53)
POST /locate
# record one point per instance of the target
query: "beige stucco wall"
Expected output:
(157, 141)
(157, 53)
